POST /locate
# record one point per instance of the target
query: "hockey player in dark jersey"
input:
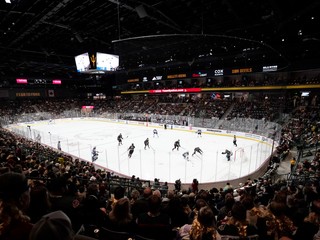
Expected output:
(131, 150)
(146, 144)
(186, 156)
(235, 141)
(176, 145)
(119, 138)
(95, 154)
(197, 149)
(228, 154)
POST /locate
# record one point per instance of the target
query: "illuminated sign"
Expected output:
(218, 72)
(28, 94)
(269, 68)
(56, 81)
(133, 80)
(40, 81)
(182, 75)
(174, 90)
(199, 74)
(241, 70)
(21, 80)
(87, 107)
(157, 78)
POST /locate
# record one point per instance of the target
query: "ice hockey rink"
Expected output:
(79, 136)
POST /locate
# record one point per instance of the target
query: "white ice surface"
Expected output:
(79, 136)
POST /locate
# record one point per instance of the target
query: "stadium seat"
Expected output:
(138, 237)
(228, 237)
(107, 234)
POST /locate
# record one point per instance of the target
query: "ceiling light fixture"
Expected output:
(8, 1)
(79, 38)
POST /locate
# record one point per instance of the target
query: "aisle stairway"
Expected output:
(226, 113)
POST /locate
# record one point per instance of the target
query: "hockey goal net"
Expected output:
(239, 155)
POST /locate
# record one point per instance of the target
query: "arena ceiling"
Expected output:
(41, 37)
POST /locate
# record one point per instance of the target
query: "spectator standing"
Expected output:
(194, 186)
(292, 164)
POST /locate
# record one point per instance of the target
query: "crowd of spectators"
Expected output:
(206, 106)
(42, 189)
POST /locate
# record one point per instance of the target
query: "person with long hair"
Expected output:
(202, 227)
(39, 202)
(120, 217)
(237, 224)
(14, 201)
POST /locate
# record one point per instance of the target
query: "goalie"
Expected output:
(228, 154)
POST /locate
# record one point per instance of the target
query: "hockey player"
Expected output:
(95, 154)
(176, 145)
(197, 149)
(59, 145)
(120, 139)
(155, 132)
(131, 150)
(228, 154)
(235, 141)
(199, 132)
(186, 155)
(146, 144)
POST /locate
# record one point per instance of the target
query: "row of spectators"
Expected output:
(90, 201)
(259, 209)
(255, 106)
(303, 131)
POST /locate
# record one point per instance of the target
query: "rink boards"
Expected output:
(79, 135)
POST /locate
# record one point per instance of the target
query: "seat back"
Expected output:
(139, 237)
(229, 237)
(155, 231)
(107, 234)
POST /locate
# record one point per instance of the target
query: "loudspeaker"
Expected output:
(51, 93)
